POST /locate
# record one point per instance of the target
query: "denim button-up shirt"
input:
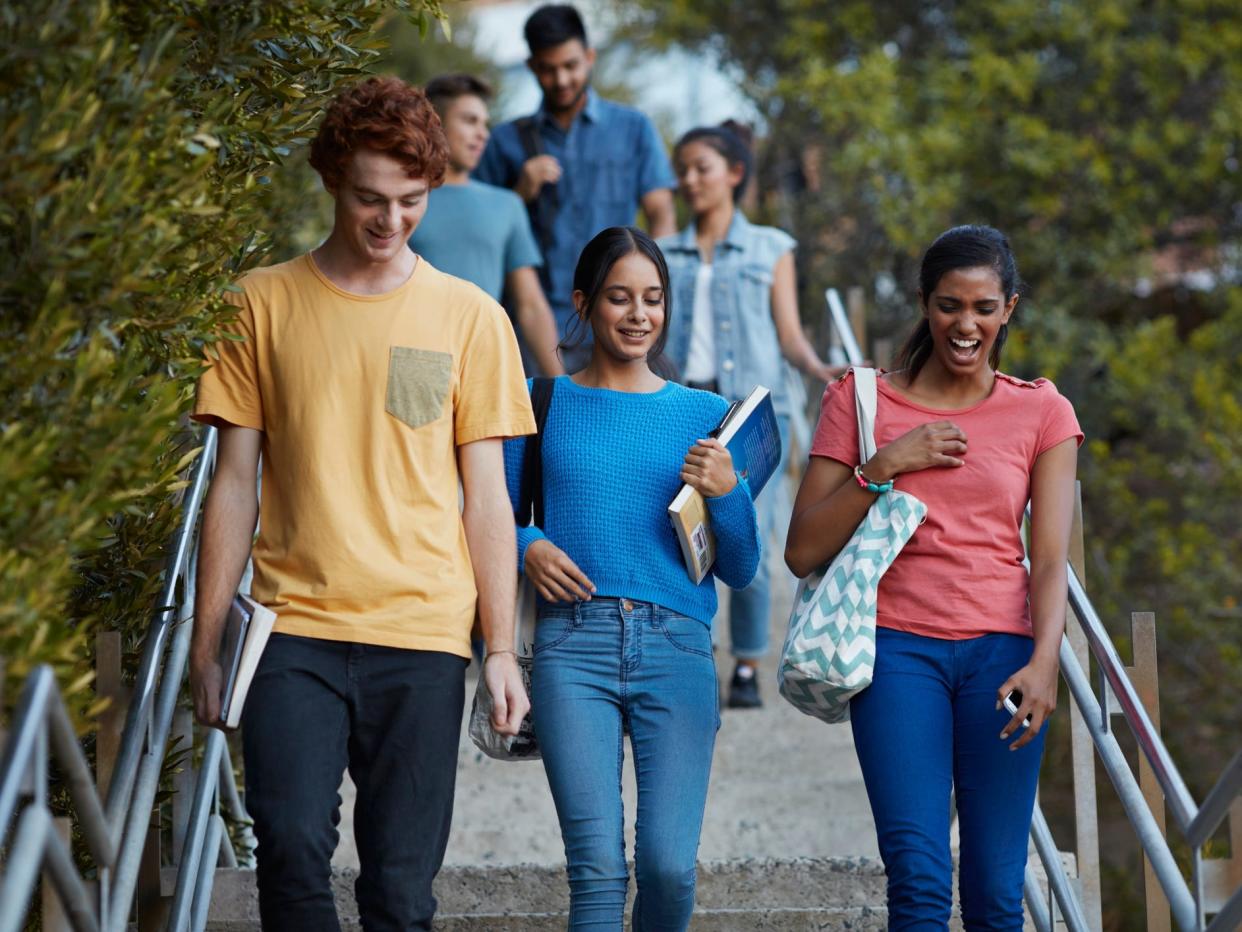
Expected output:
(610, 157)
(748, 352)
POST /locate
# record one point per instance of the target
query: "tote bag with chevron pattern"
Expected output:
(829, 653)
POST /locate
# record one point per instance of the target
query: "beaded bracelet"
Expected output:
(877, 487)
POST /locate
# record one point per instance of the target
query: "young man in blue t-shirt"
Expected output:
(581, 163)
(479, 232)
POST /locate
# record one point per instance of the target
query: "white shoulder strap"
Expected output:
(864, 402)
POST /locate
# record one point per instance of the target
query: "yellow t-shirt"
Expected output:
(363, 401)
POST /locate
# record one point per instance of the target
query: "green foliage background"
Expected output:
(1105, 139)
(144, 143)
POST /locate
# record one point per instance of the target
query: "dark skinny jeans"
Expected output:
(393, 717)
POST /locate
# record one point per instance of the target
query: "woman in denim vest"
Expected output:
(734, 281)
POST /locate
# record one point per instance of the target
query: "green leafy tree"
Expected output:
(143, 145)
(1096, 134)
(1105, 139)
(418, 58)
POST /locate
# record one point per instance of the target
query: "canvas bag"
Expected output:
(523, 745)
(829, 653)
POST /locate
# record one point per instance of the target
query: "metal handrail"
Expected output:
(841, 321)
(42, 731)
(1197, 823)
(139, 718)
(1175, 792)
(1181, 901)
(1058, 881)
(115, 832)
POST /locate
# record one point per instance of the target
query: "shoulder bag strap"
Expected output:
(865, 402)
(531, 495)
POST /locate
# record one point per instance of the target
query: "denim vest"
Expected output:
(748, 352)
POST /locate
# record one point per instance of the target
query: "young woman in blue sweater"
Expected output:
(623, 641)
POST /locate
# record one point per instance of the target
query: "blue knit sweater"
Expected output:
(611, 465)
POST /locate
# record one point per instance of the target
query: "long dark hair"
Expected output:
(971, 246)
(726, 139)
(596, 261)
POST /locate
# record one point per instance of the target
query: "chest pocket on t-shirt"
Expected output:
(418, 383)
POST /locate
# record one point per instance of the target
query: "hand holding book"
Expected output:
(708, 468)
(749, 435)
(246, 630)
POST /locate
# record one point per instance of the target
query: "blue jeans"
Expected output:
(602, 667)
(928, 724)
(750, 609)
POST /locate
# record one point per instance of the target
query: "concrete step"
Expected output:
(802, 893)
(722, 920)
(789, 920)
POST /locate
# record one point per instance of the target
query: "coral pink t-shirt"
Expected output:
(961, 574)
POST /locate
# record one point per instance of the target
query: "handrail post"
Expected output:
(108, 685)
(55, 917)
(1082, 749)
(147, 894)
(1143, 673)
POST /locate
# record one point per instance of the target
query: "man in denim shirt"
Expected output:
(581, 163)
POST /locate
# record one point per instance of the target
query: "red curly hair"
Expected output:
(386, 115)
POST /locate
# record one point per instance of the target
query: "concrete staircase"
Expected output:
(797, 895)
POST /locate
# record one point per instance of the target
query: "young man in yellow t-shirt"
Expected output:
(371, 384)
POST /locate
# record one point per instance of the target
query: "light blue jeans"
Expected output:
(601, 668)
(750, 608)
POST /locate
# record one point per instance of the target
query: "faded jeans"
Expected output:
(601, 668)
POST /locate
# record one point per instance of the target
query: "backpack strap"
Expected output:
(529, 136)
(547, 203)
(531, 494)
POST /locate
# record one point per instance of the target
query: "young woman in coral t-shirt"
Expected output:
(960, 622)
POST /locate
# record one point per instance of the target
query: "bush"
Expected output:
(143, 142)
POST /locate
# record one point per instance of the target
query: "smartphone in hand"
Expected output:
(1011, 703)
